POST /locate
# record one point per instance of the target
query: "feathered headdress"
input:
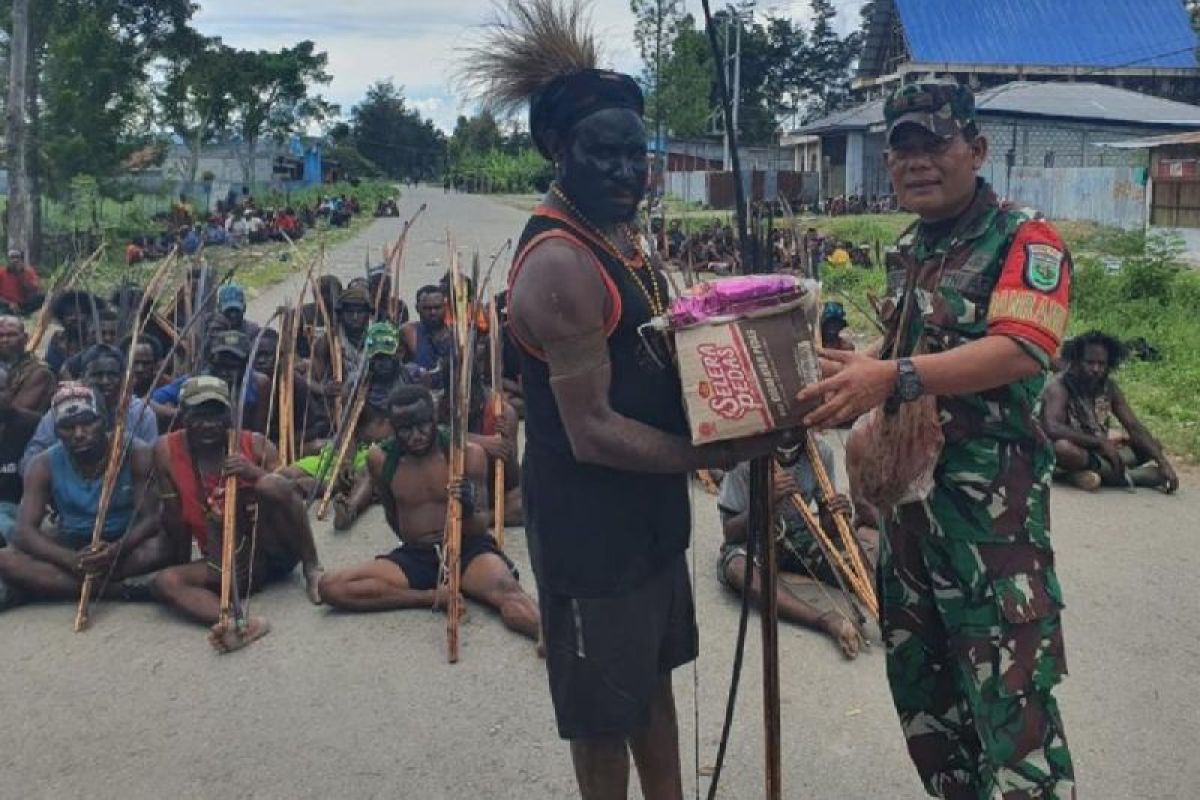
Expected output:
(543, 52)
(526, 46)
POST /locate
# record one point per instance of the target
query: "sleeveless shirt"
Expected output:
(595, 530)
(77, 499)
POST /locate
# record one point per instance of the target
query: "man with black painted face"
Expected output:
(608, 453)
(411, 474)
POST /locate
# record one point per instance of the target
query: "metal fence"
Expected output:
(1105, 195)
(715, 189)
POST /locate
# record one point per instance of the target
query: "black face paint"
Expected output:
(603, 166)
(414, 427)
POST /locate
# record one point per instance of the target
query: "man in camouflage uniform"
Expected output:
(970, 602)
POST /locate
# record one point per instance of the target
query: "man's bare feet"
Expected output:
(843, 633)
(342, 519)
(226, 637)
(312, 583)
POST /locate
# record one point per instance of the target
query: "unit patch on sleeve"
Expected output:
(1043, 266)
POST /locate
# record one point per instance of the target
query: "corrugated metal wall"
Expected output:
(1107, 195)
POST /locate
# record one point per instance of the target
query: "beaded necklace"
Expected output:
(636, 267)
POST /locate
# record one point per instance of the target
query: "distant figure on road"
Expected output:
(1079, 406)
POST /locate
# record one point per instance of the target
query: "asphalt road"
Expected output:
(337, 706)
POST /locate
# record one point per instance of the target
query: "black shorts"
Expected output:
(422, 563)
(607, 655)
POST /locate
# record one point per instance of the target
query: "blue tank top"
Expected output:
(77, 500)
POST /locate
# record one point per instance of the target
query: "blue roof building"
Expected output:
(1144, 45)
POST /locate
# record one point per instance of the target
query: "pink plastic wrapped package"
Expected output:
(731, 297)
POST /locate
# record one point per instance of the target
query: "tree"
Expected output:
(393, 137)
(20, 208)
(688, 86)
(271, 98)
(197, 99)
(827, 61)
(478, 134)
(654, 30)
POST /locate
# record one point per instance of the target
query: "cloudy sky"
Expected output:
(414, 42)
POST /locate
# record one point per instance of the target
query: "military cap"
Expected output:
(944, 109)
(203, 389)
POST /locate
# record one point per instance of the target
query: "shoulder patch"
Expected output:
(1043, 266)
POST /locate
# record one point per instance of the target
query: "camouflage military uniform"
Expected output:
(970, 602)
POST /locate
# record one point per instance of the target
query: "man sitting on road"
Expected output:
(51, 562)
(427, 339)
(103, 370)
(1077, 414)
(228, 355)
(31, 384)
(411, 473)
(192, 465)
(799, 552)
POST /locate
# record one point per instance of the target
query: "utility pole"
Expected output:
(735, 15)
(20, 207)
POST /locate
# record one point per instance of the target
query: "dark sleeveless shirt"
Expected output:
(594, 530)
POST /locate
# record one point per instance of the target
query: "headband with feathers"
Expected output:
(543, 52)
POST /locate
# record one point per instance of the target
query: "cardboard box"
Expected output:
(741, 377)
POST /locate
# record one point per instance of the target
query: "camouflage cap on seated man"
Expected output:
(944, 109)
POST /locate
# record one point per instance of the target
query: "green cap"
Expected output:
(940, 107)
(382, 339)
(203, 389)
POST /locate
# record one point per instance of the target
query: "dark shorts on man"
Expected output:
(422, 563)
(607, 656)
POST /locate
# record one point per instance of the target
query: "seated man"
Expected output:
(192, 465)
(1076, 414)
(428, 340)
(353, 492)
(103, 370)
(31, 384)
(228, 354)
(411, 473)
(51, 563)
(833, 322)
(799, 552)
(20, 287)
(497, 435)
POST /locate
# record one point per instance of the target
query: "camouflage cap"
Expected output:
(942, 108)
(382, 339)
(203, 389)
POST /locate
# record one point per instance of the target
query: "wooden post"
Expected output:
(20, 162)
(762, 526)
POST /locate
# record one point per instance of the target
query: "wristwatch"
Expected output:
(908, 382)
(908, 386)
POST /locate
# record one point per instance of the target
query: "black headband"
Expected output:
(569, 98)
